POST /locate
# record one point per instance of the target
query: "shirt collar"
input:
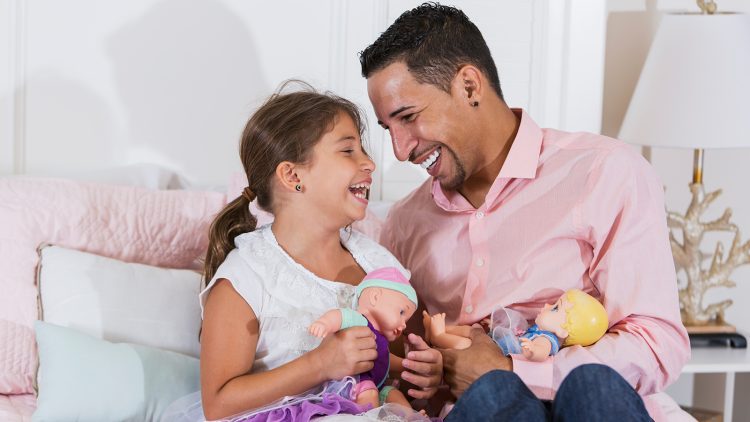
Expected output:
(521, 163)
(523, 157)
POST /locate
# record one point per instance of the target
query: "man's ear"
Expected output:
(287, 174)
(469, 84)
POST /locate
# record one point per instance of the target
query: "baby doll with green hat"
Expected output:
(385, 301)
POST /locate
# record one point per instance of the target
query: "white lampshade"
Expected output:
(694, 89)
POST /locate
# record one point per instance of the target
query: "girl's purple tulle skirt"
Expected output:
(329, 404)
(332, 400)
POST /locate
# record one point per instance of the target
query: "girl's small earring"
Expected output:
(298, 188)
(475, 104)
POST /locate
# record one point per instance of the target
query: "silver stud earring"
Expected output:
(298, 188)
(475, 104)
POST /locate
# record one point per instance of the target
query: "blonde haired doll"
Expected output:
(575, 318)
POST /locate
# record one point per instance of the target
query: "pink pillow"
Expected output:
(160, 228)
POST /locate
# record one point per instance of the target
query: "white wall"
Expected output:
(87, 84)
(631, 26)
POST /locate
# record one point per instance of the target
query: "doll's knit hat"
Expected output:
(388, 278)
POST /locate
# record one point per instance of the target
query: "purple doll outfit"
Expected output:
(378, 374)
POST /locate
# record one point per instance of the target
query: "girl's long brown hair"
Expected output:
(285, 128)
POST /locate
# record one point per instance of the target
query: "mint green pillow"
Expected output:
(82, 378)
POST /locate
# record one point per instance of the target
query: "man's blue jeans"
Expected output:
(589, 393)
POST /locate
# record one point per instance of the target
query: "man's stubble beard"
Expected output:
(459, 177)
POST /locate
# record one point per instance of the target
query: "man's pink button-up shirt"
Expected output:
(568, 210)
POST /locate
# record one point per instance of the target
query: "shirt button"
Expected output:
(479, 262)
(469, 309)
(479, 215)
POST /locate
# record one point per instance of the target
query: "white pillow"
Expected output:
(119, 301)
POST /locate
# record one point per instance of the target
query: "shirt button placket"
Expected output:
(476, 279)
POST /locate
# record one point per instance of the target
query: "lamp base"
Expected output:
(733, 340)
(715, 335)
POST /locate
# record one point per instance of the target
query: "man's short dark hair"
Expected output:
(434, 41)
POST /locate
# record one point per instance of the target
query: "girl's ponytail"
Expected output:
(231, 222)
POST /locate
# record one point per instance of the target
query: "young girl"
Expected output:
(304, 161)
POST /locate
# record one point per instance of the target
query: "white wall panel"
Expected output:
(172, 82)
(8, 50)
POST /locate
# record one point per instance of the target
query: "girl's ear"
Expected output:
(561, 333)
(286, 173)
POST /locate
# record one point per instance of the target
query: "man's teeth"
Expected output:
(427, 163)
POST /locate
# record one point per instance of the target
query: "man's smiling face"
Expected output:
(426, 124)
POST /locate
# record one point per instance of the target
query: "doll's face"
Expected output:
(552, 317)
(388, 309)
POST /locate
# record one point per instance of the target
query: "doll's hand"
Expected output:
(345, 352)
(318, 329)
(526, 349)
(423, 368)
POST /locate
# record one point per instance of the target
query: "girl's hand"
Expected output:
(423, 367)
(346, 352)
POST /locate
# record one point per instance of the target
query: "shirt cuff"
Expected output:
(536, 375)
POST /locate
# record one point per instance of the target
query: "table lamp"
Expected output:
(694, 92)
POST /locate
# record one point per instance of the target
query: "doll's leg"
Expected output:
(393, 395)
(427, 324)
(445, 340)
(458, 330)
(366, 393)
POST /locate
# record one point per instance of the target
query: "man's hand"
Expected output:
(463, 367)
(423, 367)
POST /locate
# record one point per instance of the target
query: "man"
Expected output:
(514, 215)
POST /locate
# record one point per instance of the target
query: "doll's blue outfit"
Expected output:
(511, 345)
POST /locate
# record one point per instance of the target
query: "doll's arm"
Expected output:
(537, 349)
(329, 323)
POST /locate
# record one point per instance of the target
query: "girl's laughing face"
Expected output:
(339, 176)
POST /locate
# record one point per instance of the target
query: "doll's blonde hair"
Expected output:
(586, 321)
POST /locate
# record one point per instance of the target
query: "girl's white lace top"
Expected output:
(285, 296)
